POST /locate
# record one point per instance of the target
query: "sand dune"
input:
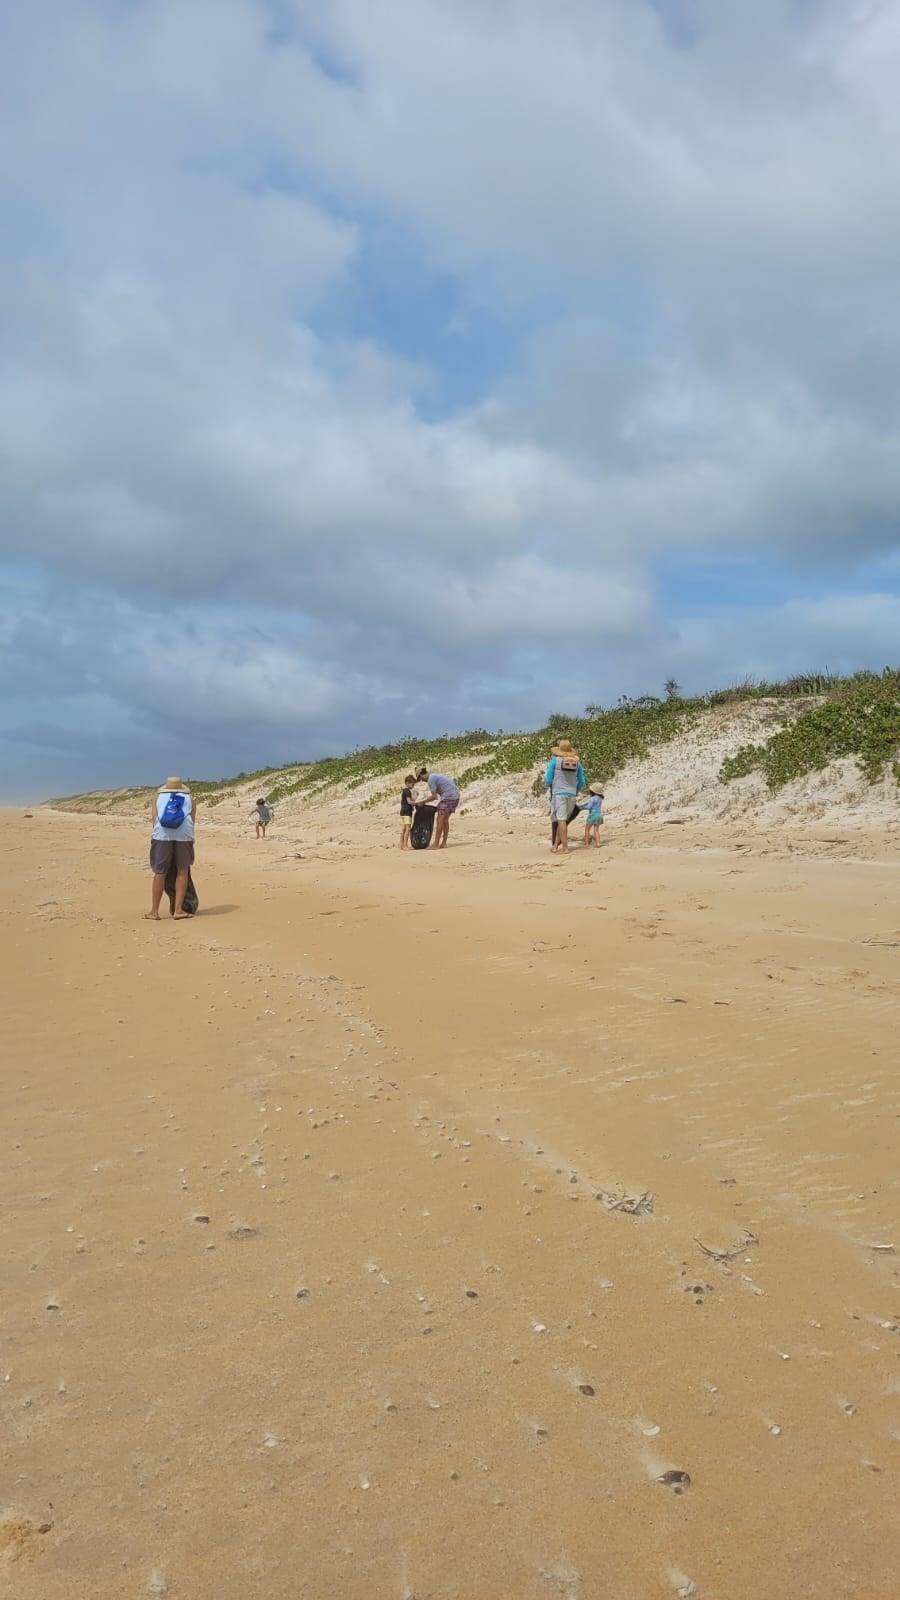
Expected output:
(472, 1225)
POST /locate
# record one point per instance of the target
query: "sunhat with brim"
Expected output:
(564, 748)
(596, 788)
(172, 783)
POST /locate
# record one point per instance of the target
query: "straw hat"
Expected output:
(172, 783)
(563, 748)
(596, 788)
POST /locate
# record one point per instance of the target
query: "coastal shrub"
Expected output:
(606, 740)
(860, 716)
(856, 716)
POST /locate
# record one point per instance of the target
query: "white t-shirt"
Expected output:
(186, 831)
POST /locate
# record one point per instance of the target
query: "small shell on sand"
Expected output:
(675, 1479)
(684, 1587)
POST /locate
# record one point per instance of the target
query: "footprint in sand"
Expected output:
(563, 1578)
(18, 1536)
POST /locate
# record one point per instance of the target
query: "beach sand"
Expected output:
(316, 1280)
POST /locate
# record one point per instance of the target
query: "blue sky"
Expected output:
(371, 367)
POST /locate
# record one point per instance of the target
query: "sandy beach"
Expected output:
(353, 1233)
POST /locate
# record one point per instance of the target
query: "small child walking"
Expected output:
(406, 810)
(263, 815)
(594, 815)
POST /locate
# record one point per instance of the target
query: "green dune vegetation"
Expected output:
(858, 716)
(823, 717)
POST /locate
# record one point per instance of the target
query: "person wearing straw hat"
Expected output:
(174, 817)
(594, 815)
(564, 778)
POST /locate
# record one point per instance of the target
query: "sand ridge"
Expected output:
(472, 1225)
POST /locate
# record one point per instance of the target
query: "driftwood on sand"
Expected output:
(743, 1243)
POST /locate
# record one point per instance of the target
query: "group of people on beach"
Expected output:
(431, 791)
(432, 794)
(565, 781)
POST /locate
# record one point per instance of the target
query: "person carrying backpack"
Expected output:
(564, 777)
(174, 819)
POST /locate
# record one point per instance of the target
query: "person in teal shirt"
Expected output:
(594, 815)
(564, 778)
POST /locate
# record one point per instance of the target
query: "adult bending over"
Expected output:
(443, 792)
(174, 821)
(564, 778)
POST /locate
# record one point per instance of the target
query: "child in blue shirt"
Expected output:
(594, 815)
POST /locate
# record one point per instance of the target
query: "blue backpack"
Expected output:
(173, 812)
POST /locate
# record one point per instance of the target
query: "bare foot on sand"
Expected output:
(151, 916)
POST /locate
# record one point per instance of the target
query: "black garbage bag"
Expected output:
(191, 898)
(422, 828)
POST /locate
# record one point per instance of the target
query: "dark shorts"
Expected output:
(164, 851)
(446, 808)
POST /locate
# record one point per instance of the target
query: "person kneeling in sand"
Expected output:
(174, 817)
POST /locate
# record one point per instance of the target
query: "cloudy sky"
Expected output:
(384, 366)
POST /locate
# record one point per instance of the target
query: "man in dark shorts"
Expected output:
(171, 844)
(446, 793)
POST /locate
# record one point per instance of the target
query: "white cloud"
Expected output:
(840, 632)
(686, 229)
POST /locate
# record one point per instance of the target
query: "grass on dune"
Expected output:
(847, 716)
(859, 716)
